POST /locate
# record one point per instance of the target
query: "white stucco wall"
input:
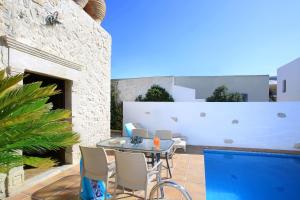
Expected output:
(130, 88)
(78, 39)
(248, 125)
(291, 73)
(183, 93)
(257, 87)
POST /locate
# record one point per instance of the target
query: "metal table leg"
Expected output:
(168, 165)
(152, 159)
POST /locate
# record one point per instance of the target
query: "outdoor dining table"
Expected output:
(147, 146)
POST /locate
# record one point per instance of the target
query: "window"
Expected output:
(284, 86)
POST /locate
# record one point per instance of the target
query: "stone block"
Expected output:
(72, 154)
(15, 179)
(2, 185)
(228, 141)
(235, 121)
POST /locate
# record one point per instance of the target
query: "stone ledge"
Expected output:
(12, 43)
(41, 177)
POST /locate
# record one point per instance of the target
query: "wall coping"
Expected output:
(12, 43)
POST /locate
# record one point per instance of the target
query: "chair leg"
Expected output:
(168, 166)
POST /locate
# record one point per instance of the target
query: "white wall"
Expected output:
(291, 73)
(258, 123)
(255, 86)
(183, 93)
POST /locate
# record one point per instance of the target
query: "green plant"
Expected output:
(116, 108)
(272, 93)
(28, 123)
(156, 93)
(221, 94)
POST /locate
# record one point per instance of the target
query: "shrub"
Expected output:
(116, 109)
(156, 93)
(221, 94)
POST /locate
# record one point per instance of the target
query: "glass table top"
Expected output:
(123, 143)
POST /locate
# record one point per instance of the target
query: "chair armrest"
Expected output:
(111, 165)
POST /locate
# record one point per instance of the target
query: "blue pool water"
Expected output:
(233, 175)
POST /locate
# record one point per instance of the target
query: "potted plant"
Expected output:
(27, 122)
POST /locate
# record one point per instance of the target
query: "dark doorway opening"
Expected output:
(58, 102)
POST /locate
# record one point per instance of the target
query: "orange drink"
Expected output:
(156, 142)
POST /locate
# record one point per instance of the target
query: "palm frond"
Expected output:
(25, 94)
(44, 142)
(28, 123)
(26, 108)
(8, 83)
(55, 115)
(38, 162)
(9, 160)
(26, 117)
(2, 74)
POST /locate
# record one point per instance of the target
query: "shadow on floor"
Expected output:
(64, 188)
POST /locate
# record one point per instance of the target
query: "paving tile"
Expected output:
(188, 170)
(20, 196)
(33, 189)
(196, 190)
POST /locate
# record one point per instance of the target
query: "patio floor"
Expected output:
(188, 171)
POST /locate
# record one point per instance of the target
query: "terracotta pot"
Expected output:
(96, 9)
(81, 3)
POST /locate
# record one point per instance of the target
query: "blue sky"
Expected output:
(202, 37)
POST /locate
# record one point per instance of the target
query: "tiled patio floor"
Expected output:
(188, 171)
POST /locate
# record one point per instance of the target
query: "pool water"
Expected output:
(234, 175)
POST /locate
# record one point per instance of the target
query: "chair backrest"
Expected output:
(140, 132)
(131, 170)
(128, 127)
(137, 125)
(164, 134)
(95, 164)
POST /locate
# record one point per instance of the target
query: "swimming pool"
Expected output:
(234, 175)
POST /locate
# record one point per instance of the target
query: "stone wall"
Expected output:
(130, 88)
(78, 39)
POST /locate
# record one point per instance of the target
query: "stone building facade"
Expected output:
(77, 50)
